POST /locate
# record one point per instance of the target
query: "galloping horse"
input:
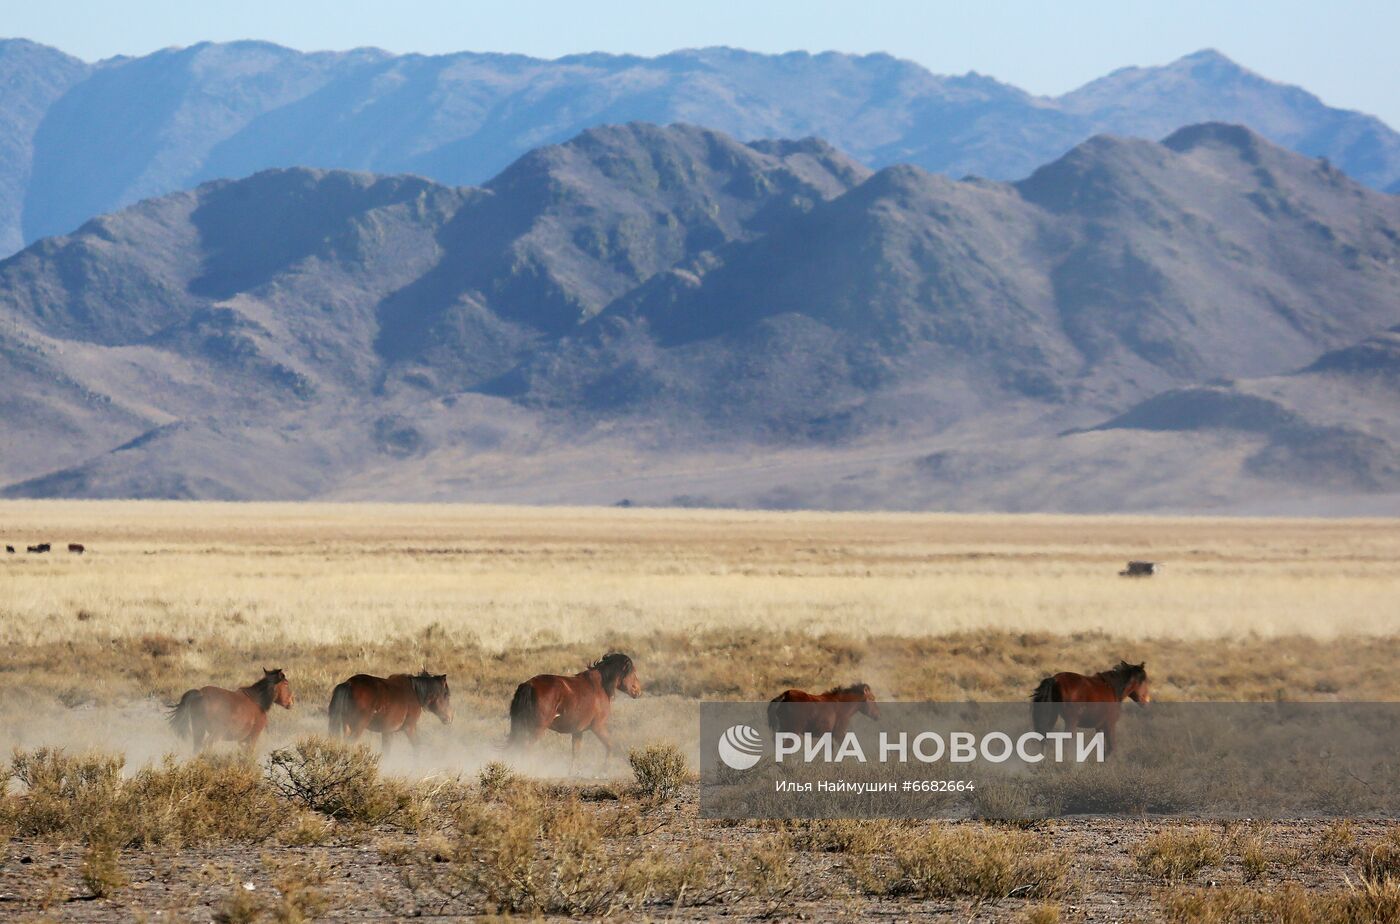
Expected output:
(831, 712)
(572, 705)
(1089, 702)
(212, 714)
(388, 704)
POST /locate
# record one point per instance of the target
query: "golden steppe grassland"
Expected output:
(712, 605)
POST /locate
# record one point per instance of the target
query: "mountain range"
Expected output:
(84, 139)
(671, 315)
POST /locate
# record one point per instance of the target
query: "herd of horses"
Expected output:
(580, 703)
(76, 548)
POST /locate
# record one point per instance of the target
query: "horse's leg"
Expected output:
(410, 731)
(600, 731)
(1110, 738)
(573, 753)
(357, 728)
(250, 743)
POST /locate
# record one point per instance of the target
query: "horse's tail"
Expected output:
(181, 717)
(523, 716)
(774, 707)
(339, 712)
(1045, 709)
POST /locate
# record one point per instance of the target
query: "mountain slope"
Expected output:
(32, 79)
(106, 135)
(295, 289)
(1119, 270)
(667, 314)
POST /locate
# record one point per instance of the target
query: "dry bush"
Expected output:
(101, 870)
(1336, 842)
(843, 835)
(496, 780)
(172, 804)
(985, 864)
(1368, 902)
(660, 770)
(338, 779)
(1379, 859)
(1118, 787)
(1041, 914)
(765, 868)
(1178, 854)
(210, 798)
(75, 795)
(1254, 857)
(301, 892)
(529, 854)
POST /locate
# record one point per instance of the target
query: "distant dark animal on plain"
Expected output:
(76, 548)
(39, 549)
(212, 714)
(803, 713)
(572, 705)
(388, 705)
(10, 549)
(1139, 569)
(1092, 702)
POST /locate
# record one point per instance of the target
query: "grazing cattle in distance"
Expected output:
(572, 705)
(803, 713)
(10, 549)
(388, 704)
(39, 549)
(1091, 702)
(1139, 569)
(212, 714)
(76, 548)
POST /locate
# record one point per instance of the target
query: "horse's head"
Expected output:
(868, 704)
(435, 695)
(619, 673)
(281, 689)
(1136, 686)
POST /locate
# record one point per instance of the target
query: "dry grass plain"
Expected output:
(713, 605)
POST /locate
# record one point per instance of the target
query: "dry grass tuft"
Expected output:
(1179, 853)
(967, 861)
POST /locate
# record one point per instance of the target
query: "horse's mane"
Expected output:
(263, 691)
(855, 689)
(426, 686)
(1122, 676)
(612, 667)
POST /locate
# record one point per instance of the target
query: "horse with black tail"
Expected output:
(572, 705)
(388, 705)
(1092, 702)
(211, 714)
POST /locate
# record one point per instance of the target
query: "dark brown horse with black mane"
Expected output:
(212, 714)
(388, 705)
(572, 705)
(803, 713)
(1089, 702)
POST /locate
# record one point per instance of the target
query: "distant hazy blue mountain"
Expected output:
(80, 140)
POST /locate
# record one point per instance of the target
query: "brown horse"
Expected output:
(572, 705)
(388, 705)
(212, 714)
(831, 712)
(1089, 702)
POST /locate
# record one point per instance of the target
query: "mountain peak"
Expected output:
(1219, 134)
